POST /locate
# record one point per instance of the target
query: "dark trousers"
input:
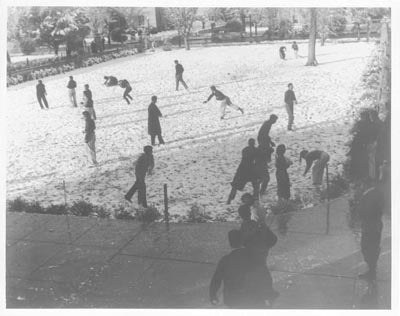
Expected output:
(370, 248)
(179, 78)
(126, 94)
(289, 110)
(264, 181)
(40, 98)
(153, 139)
(139, 186)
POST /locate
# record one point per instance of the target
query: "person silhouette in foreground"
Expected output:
(225, 101)
(144, 165)
(246, 172)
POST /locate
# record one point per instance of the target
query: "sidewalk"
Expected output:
(57, 262)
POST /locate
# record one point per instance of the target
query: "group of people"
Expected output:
(282, 51)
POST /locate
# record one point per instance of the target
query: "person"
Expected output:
(90, 136)
(263, 156)
(124, 84)
(370, 209)
(321, 159)
(295, 48)
(374, 158)
(144, 165)
(282, 52)
(93, 47)
(71, 91)
(110, 81)
(179, 75)
(225, 101)
(282, 177)
(88, 101)
(154, 127)
(245, 172)
(263, 138)
(41, 94)
(245, 281)
(290, 99)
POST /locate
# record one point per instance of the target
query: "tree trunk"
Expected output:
(186, 39)
(358, 32)
(368, 30)
(323, 39)
(312, 61)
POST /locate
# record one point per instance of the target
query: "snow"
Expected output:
(202, 152)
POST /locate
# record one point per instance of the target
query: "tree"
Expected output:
(183, 19)
(312, 61)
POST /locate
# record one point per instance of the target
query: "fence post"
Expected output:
(328, 201)
(166, 214)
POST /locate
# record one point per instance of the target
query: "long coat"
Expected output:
(154, 126)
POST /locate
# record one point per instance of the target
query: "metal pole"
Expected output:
(66, 213)
(250, 25)
(328, 200)
(166, 214)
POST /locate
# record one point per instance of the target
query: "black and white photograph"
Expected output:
(229, 155)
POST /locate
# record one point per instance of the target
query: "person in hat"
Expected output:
(144, 165)
(90, 136)
(225, 101)
(320, 160)
(71, 91)
(179, 75)
(154, 126)
(41, 94)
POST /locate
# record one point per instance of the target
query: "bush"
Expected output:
(149, 214)
(123, 213)
(82, 208)
(57, 209)
(197, 214)
(28, 46)
(17, 205)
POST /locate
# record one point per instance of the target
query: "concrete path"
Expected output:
(58, 262)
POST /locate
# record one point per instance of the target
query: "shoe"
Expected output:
(126, 198)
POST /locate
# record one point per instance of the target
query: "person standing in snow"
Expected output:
(282, 177)
(282, 52)
(41, 94)
(144, 165)
(124, 84)
(179, 75)
(225, 101)
(263, 138)
(88, 101)
(90, 136)
(263, 156)
(321, 159)
(246, 171)
(71, 91)
(290, 99)
(154, 126)
(295, 48)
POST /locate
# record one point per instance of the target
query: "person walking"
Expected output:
(225, 101)
(282, 52)
(321, 159)
(41, 94)
(263, 156)
(90, 136)
(88, 101)
(179, 75)
(295, 48)
(154, 127)
(290, 99)
(282, 177)
(71, 91)
(144, 165)
(263, 138)
(246, 171)
(124, 84)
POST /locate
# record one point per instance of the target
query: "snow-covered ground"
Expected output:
(202, 152)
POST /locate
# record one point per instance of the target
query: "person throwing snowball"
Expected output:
(225, 101)
(124, 84)
(321, 159)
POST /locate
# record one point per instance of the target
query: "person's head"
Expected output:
(281, 149)
(176, 61)
(213, 88)
(290, 86)
(86, 86)
(71, 78)
(251, 142)
(86, 114)
(303, 154)
(273, 118)
(247, 199)
(40, 81)
(154, 99)
(148, 150)
(235, 238)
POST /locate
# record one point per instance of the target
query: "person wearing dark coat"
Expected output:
(246, 171)
(282, 52)
(179, 75)
(41, 94)
(290, 100)
(124, 84)
(144, 165)
(263, 156)
(90, 136)
(282, 177)
(154, 127)
(88, 101)
(263, 138)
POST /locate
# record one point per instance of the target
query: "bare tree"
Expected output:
(312, 61)
(183, 19)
